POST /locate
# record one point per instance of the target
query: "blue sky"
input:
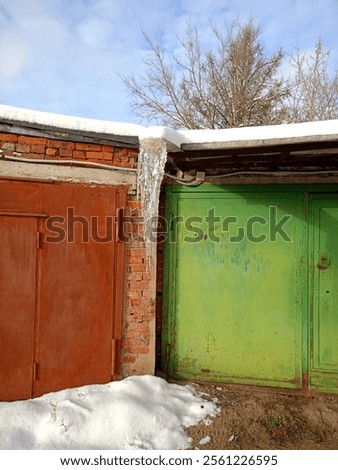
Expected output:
(64, 56)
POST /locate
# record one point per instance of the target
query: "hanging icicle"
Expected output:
(150, 172)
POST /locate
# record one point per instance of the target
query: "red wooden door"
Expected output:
(65, 262)
(17, 305)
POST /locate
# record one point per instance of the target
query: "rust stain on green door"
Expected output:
(235, 287)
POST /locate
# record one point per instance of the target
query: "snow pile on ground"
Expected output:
(143, 412)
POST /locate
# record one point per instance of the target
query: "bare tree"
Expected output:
(314, 92)
(234, 84)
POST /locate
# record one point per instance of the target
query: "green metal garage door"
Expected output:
(237, 299)
(323, 308)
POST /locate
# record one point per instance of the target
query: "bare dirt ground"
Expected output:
(254, 419)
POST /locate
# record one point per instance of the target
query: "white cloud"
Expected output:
(62, 56)
(14, 55)
(95, 32)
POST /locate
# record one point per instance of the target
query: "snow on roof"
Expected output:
(21, 115)
(250, 136)
(265, 135)
(183, 139)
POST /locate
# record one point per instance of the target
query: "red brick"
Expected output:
(133, 293)
(147, 317)
(132, 310)
(50, 151)
(8, 146)
(79, 154)
(108, 148)
(134, 204)
(136, 252)
(62, 144)
(26, 148)
(65, 152)
(136, 350)
(94, 155)
(144, 309)
(139, 317)
(107, 156)
(138, 285)
(129, 345)
(128, 341)
(32, 140)
(139, 325)
(127, 359)
(9, 137)
(134, 268)
(9, 153)
(134, 276)
(38, 148)
(93, 147)
(145, 293)
(137, 335)
(135, 260)
(139, 309)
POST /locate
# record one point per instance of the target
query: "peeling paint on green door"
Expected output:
(238, 302)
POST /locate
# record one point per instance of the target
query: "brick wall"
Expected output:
(42, 148)
(140, 305)
(138, 349)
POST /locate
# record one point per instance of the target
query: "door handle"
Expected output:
(323, 263)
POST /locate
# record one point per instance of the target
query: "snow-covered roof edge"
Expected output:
(260, 135)
(22, 115)
(177, 140)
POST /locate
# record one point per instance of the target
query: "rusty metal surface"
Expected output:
(20, 196)
(118, 301)
(70, 299)
(17, 306)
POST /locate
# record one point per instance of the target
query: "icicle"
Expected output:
(150, 172)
